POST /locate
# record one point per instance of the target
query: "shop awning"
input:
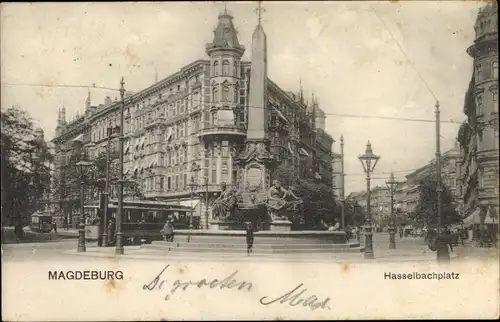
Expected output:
(472, 219)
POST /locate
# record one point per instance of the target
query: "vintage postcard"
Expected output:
(250, 160)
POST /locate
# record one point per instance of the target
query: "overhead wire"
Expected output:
(393, 118)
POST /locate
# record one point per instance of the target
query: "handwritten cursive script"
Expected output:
(294, 298)
(229, 282)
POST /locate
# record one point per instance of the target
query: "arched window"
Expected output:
(215, 93)
(225, 68)
(216, 68)
(225, 94)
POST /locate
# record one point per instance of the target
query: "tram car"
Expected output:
(41, 223)
(144, 220)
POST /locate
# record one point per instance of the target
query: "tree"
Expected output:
(318, 205)
(426, 211)
(25, 163)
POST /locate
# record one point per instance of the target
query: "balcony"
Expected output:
(222, 130)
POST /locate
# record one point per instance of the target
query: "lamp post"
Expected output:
(109, 131)
(391, 184)
(368, 161)
(443, 256)
(82, 166)
(119, 216)
(193, 185)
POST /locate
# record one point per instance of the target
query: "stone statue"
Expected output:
(281, 200)
(224, 206)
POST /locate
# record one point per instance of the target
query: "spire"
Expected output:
(88, 102)
(225, 36)
(63, 115)
(301, 90)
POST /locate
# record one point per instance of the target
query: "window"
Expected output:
(215, 93)
(225, 94)
(216, 68)
(185, 179)
(162, 160)
(185, 155)
(176, 181)
(495, 69)
(161, 183)
(196, 99)
(478, 72)
(169, 183)
(479, 104)
(225, 68)
(214, 175)
(169, 157)
(159, 96)
(178, 87)
(214, 118)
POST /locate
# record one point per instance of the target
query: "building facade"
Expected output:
(407, 195)
(184, 133)
(478, 136)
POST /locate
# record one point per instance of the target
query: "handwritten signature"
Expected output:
(294, 298)
(229, 282)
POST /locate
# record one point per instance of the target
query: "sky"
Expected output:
(361, 58)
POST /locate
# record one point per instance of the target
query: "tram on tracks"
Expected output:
(41, 223)
(143, 220)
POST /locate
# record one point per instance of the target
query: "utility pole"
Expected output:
(342, 175)
(106, 191)
(443, 256)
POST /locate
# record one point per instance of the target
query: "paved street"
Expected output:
(408, 249)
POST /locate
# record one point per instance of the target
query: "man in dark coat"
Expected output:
(249, 237)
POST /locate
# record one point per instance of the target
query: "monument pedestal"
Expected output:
(280, 225)
(221, 225)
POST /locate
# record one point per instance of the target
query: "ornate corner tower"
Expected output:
(484, 51)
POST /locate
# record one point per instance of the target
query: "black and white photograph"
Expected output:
(249, 160)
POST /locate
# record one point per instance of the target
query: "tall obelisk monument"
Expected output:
(256, 159)
(257, 101)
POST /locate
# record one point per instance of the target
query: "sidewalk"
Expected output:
(135, 252)
(8, 236)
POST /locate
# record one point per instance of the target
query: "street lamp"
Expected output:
(391, 184)
(368, 161)
(109, 131)
(82, 166)
(194, 168)
(119, 216)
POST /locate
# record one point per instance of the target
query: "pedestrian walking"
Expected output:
(249, 237)
(54, 226)
(111, 232)
(168, 232)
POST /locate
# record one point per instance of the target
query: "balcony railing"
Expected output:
(222, 129)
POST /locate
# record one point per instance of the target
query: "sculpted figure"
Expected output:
(225, 204)
(280, 200)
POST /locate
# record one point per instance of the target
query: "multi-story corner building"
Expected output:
(478, 136)
(183, 133)
(408, 192)
(380, 202)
